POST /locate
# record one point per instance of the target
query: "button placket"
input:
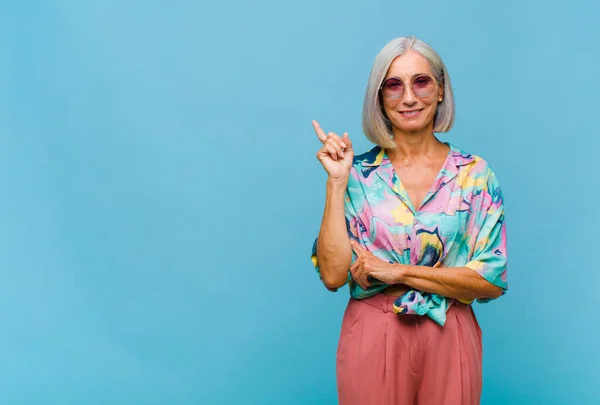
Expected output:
(416, 224)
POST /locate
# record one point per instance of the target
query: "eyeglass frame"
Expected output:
(411, 84)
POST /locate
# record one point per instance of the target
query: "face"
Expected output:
(410, 94)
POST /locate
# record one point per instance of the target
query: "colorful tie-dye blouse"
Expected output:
(460, 223)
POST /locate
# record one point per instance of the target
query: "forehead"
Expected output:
(407, 65)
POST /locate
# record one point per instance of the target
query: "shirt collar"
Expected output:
(377, 156)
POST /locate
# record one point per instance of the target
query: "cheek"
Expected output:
(431, 109)
(389, 109)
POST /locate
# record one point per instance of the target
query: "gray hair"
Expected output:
(376, 126)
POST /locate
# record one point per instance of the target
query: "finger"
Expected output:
(320, 133)
(365, 283)
(361, 280)
(438, 264)
(354, 267)
(336, 138)
(347, 141)
(332, 152)
(358, 274)
(358, 249)
(333, 142)
(327, 150)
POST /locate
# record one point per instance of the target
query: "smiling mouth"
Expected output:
(411, 113)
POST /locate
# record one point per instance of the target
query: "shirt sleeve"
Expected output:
(489, 254)
(351, 224)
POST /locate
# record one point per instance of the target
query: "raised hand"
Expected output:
(336, 154)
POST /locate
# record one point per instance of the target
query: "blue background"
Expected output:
(160, 192)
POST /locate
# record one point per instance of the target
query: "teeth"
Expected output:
(410, 113)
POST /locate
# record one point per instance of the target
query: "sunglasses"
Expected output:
(422, 86)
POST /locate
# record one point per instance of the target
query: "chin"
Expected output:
(411, 127)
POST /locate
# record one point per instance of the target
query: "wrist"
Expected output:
(337, 182)
(401, 273)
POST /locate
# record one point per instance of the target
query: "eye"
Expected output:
(423, 81)
(393, 84)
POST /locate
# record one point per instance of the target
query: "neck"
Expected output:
(413, 146)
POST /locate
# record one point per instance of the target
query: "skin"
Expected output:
(417, 159)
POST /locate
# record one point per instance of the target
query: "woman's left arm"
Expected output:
(453, 282)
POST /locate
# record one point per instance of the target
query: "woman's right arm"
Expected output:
(334, 253)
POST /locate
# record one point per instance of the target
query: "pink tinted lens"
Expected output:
(423, 86)
(393, 88)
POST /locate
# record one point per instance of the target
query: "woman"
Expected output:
(415, 226)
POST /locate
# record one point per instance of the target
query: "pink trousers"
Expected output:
(389, 359)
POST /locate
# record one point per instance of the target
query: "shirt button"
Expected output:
(417, 226)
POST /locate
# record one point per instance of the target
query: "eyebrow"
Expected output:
(412, 77)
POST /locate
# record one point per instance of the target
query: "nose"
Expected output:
(409, 97)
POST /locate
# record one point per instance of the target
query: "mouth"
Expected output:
(410, 113)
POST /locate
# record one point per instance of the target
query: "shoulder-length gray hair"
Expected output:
(376, 126)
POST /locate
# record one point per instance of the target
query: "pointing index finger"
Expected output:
(320, 133)
(356, 246)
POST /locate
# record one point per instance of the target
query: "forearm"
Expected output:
(334, 253)
(452, 282)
